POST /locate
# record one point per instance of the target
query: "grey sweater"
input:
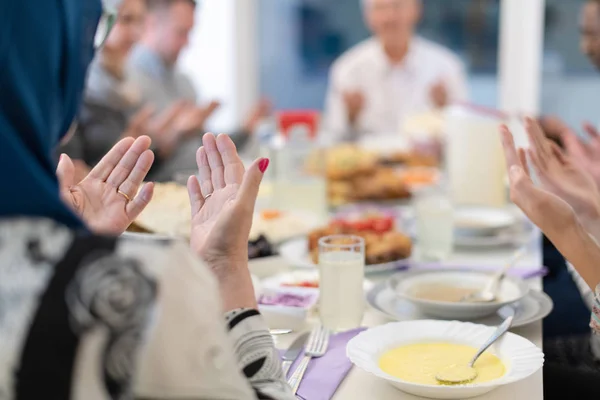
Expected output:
(110, 102)
(161, 86)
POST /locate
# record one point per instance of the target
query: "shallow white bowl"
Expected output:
(521, 357)
(403, 284)
(482, 221)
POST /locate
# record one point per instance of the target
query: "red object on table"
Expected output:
(289, 120)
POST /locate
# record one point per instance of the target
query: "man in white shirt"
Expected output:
(395, 74)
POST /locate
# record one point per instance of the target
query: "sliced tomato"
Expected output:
(383, 225)
(363, 225)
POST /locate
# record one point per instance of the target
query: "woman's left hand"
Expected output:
(107, 199)
(222, 209)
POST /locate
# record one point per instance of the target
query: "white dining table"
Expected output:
(360, 385)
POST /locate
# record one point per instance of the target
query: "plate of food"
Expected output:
(386, 248)
(409, 354)
(169, 215)
(356, 175)
(418, 177)
(439, 292)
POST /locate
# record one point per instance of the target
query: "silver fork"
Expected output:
(316, 346)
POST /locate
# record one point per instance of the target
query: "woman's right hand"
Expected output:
(545, 209)
(222, 203)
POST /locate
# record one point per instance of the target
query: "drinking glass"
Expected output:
(341, 275)
(435, 224)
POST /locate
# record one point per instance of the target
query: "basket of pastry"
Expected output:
(383, 243)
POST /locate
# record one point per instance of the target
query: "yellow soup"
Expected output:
(419, 363)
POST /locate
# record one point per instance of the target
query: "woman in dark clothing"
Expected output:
(84, 316)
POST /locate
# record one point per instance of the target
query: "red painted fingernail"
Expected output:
(263, 165)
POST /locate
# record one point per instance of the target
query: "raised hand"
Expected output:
(138, 125)
(439, 94)
(545, 209)
(586, 155)
(355, 103)
(222, 208)
(193, 118)
(260, 111)
(554, 216)
(163, 129)
(560, 175)
(107, 200)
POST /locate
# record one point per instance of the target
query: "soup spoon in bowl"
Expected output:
(490, 291)
(457, 374)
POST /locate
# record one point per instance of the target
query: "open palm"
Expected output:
(221, 223)
(544, 208)
(560, 175)
(96, 199)
(584, 155)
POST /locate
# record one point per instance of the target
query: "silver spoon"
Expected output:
(461, 374)
(490, 291)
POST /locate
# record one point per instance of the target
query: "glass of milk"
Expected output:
(434, 224)
(341, 275)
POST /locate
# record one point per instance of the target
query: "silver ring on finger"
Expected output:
(207, 196)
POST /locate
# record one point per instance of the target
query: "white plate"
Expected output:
(482, 221)
(284, 278)
(521, 357)
(515, 236)
(532, 308)
(296, 253)
(403, 285)
(147, 236)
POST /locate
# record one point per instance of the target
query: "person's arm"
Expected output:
(458, 88)
(335, 120)
(587, 294)
(257, 357)
(193, 350)
(580, 249)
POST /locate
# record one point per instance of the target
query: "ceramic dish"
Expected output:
(532, 308)
(482, 221)
(406, 285)
(520, 357)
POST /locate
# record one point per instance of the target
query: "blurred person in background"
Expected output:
(87, 314)
(111, 99)
(589, 25)
(152, 66)
(380, 82)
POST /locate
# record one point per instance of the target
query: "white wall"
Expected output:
(222, 59)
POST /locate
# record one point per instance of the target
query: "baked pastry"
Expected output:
(348, 161)
(169, 211)
(380, 247)
(385, 184)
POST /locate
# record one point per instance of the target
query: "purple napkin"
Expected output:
(325, 374)
(524, 272)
